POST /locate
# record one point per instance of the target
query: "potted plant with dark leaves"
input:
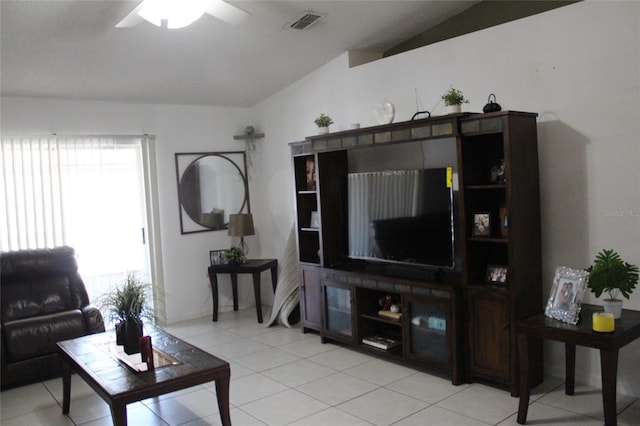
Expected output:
(611, 275)
(235, 256)
(127, 306)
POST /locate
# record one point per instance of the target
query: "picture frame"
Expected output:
(565, 299)
(315, 220)
(497, 274)
(481, 224)
(216, 257)
(311, 174)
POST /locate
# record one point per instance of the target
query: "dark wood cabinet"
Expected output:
(463, 323)
(498, 175)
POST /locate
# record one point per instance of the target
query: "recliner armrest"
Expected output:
(93, 319)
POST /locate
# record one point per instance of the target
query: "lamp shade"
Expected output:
(241, 224)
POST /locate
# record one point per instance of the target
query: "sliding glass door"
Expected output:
(84, 192)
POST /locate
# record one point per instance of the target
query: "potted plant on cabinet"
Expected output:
(454, 99)
(610, 274)
(323, 122)
(127, 307)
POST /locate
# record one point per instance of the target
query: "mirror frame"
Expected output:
(185, 160)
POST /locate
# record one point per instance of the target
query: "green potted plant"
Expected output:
(323, 122)
(235, 255)
(612, 275)
(454, 99)
(127, 307)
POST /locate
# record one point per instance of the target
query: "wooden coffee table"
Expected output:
(93, 358)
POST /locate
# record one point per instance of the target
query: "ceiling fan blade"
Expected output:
(226, 12)
(132, 19)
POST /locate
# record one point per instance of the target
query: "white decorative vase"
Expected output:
(613, 306)
(323, 130)
(454, 109)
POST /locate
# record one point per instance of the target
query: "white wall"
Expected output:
(177, 129)
(578, 67)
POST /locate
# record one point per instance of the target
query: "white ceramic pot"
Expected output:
(613, 306)
(454, 109)
(323, 130)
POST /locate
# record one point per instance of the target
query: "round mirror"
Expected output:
(211, 187)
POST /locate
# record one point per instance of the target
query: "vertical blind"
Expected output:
(85, 192)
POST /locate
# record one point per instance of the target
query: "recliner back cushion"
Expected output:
(35, 296)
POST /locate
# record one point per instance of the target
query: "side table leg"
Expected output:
(222, 392)
(609, 367)
(274, 277)
(570, 368)
(213, 279)
(234, 289)
(256, 291)
(523, 352)
(66, 386)
(119, 414)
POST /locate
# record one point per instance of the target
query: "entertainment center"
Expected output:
(420, 241)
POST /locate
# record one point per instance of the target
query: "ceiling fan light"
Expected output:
(177, 13)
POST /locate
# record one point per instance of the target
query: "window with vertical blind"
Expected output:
(84, 192)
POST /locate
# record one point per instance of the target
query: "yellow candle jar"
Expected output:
(603, 322)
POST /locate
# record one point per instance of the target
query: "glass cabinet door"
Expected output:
(338, 311)
(428, 327)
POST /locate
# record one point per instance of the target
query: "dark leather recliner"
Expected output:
(43, 301)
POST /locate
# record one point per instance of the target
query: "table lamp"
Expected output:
(241, 224)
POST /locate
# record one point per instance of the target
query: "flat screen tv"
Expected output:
(403, 217)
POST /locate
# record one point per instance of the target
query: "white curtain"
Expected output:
(379, 195)
(85, 192)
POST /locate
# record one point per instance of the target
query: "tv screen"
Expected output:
(402, 216)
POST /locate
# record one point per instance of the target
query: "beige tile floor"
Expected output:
(280, 376)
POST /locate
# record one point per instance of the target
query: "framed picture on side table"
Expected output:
(566, 295)
(216, 257)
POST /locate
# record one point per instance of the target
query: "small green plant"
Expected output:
(323, 121)
(235, 255)
(610, 274)
(128, 301)
(454, 97)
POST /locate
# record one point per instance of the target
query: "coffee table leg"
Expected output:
(222, 392)
(66, 386)
(570, 368)
(119, 414)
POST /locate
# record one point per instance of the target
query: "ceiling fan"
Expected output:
(180, 13)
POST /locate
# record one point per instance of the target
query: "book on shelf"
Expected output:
(381, 342)
(389, 314)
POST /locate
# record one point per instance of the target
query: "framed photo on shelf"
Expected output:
(216, 257)
(481, 224)
(311, 174)
(315, 220)
(496, 274)
(566, 295)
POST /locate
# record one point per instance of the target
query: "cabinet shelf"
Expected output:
(427, 330)
(492, 186)
(306, 229)
(497, 240)
(307, 192)
(382, 319)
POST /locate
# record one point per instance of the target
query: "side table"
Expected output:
(251, 266)
(540, 327)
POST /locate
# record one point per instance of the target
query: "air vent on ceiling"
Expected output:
(305, 21)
